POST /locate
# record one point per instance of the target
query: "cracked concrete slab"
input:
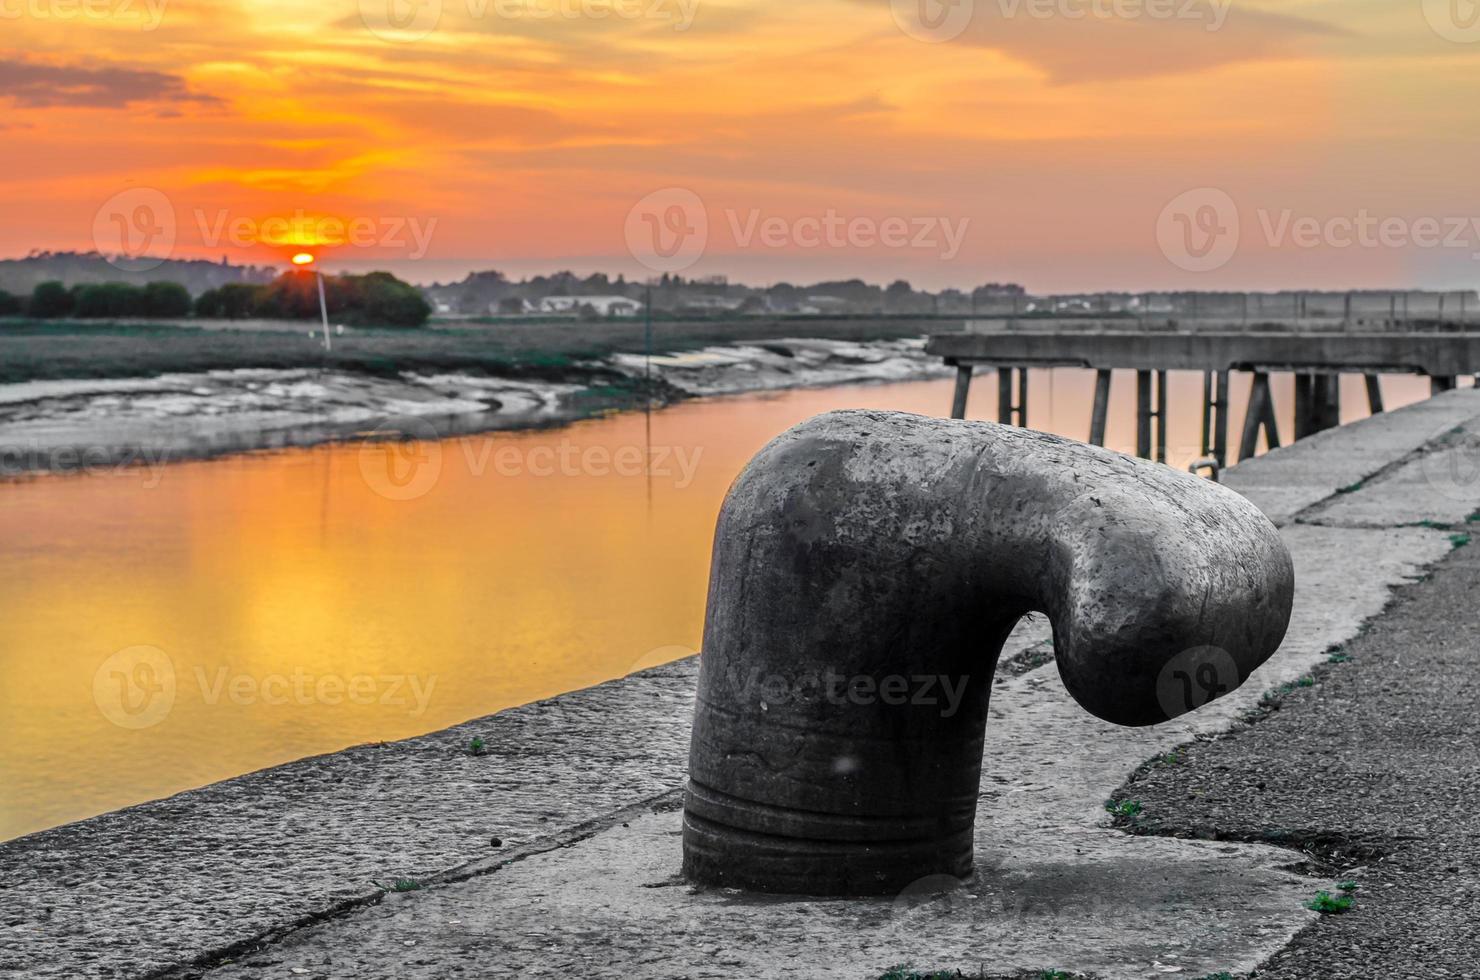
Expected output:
(1437, 485)
(1288, 480)
(1055, 886)
(246, 861)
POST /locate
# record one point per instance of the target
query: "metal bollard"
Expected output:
(868, 567)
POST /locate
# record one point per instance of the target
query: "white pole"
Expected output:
(323, 308)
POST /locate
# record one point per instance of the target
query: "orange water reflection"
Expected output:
(298, 607)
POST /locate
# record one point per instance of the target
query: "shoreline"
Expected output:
(71, 426)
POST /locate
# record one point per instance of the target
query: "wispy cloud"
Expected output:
(33, 84)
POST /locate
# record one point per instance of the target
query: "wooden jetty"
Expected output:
(1317, 351)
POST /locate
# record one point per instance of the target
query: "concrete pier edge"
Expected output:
(184, 884)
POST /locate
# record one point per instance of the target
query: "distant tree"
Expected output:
(166, 299)
(233, 301)
(107, 299)
(10, 305)
(49, 300)
(384, 299)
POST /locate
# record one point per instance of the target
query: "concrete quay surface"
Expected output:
(275, 874)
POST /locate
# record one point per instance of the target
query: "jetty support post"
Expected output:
(1215, 417)
(1317, 402)
(1374, 393)
(1143, 414)
(1220, 420)
(1207, 414)
(1101, 407)
(1010, 410)
(1327, 396)
(1161, 416)
(1304, 405)
(963, 390)
(1148, 395)
(1259, 415)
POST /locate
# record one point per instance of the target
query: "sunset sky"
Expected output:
(520, 134)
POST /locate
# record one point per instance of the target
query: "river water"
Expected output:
(171, 627)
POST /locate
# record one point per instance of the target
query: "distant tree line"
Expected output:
(53, 300)
(376, 299)
(493, 292)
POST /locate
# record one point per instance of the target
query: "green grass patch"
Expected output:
(1458, 540)
(1288, 688)
(1328, 904)
(1348, 886)
(476, 746)
(1126, 809)
(400, 885)
(906, 973)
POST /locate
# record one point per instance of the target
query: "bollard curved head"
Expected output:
(868, 567)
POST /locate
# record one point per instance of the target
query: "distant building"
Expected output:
(601, 305)
(711, 303)
(825, 304)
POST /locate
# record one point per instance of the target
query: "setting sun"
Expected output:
(303, 258)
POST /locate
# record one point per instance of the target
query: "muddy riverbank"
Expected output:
(69, 424)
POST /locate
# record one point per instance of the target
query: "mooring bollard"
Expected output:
(868, 567)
